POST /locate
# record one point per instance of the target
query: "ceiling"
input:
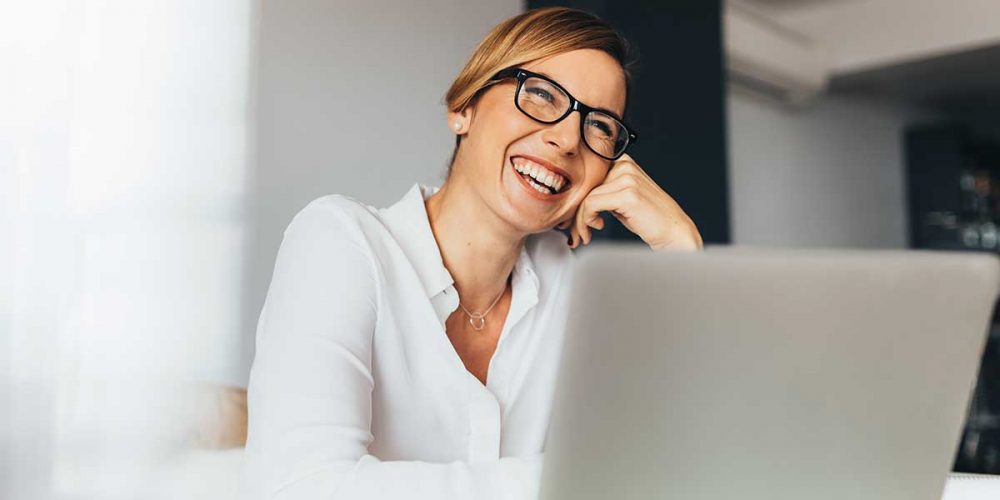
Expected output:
(963, 81)
(966, 83)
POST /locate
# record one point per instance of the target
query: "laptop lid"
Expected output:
(748, 373)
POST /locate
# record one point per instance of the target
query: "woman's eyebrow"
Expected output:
(546, 75)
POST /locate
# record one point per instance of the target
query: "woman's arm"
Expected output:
(311, 383)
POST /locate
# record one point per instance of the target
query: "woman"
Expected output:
(410, 351)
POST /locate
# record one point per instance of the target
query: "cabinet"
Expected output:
(953, 181)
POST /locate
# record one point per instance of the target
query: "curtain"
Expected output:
(124, 160)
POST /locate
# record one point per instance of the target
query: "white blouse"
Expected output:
(356, 390)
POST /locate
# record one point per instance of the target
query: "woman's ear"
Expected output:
(458, 122)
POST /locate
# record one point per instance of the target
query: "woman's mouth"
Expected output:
(540, 181)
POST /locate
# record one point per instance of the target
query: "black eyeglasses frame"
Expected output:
(575, 105)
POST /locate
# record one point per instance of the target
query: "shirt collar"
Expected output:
(408, 222)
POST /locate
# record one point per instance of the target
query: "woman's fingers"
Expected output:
(640, 204)
(582, 219)
(621, 176)
(607, 197)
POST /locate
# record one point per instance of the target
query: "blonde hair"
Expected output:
(533, 35)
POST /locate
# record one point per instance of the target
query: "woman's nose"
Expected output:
(564, 135)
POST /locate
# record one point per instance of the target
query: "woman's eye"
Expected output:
(603, 127)
(544, 94)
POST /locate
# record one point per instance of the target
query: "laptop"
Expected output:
(777, 374)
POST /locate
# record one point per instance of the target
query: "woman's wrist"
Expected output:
(689, 242)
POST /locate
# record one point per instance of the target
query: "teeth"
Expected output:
(540, 174)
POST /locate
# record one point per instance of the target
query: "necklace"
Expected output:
(478, 320)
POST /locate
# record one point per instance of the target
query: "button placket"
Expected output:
(484, 424)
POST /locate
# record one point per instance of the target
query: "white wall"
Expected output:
(830, 174)
(350, 100)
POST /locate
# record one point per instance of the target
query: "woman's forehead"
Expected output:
(592, 76)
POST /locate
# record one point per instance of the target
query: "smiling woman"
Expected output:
(411, 351)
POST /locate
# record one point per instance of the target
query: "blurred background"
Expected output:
(152, 153)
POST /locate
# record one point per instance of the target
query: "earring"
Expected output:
(458, 125)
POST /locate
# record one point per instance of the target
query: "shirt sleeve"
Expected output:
(309, 396)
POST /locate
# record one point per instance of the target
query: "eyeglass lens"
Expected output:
(545, 102)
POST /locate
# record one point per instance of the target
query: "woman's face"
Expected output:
(499, 136)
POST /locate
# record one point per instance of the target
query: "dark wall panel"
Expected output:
(677, 104)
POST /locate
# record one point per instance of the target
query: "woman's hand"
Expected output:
(640, 205)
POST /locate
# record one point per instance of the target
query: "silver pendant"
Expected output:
(477, 322)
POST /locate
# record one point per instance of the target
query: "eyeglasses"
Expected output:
(547, 102)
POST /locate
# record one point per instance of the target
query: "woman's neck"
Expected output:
(478, 248)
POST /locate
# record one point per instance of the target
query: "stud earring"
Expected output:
(458, 125)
